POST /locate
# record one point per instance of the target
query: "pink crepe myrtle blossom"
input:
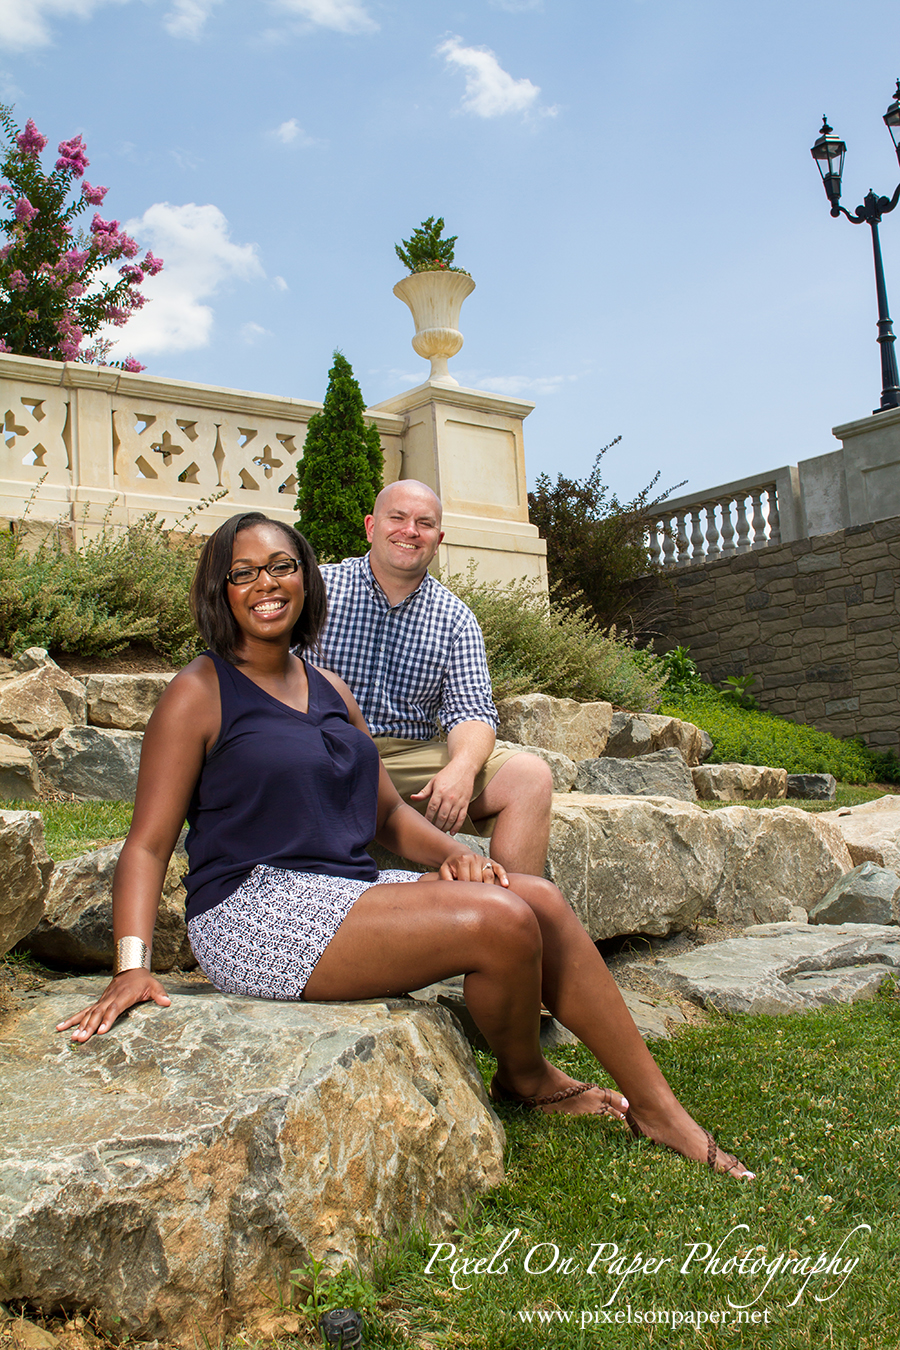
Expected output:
(74, 260)
(57, 291)
(4, 347)
(72, 156)
(25, 212)
(93, 195)
(101, 226)
(30, 141)
(134, 366)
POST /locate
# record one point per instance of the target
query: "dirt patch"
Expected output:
(138, 659)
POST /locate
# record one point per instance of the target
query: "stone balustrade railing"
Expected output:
(734, 518)
(87, 444)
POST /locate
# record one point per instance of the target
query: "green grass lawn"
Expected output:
(71, 828)
(809, 1102)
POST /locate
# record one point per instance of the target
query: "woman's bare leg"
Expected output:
(403, 936)
(580, 992)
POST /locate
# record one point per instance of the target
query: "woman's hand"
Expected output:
(122, 993)
(473, 867)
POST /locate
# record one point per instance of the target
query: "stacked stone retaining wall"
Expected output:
(816, 620)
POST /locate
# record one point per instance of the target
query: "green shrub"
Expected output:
(341, 471)
(597, 546)
(123, 586)
(746, 736)
(556, 650)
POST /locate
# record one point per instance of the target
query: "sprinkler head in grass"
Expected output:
(341, 1327)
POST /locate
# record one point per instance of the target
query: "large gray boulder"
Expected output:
(123, 702)
(812, 787)
(773, 860)
(24, 874)
(629, 735)
(76, 933)
(171, 1174)
(738, 782)
(660, 774)
(95, 764)
(866, 894)
(633, 864)
(871, 831)
(655, 865)
(18, 770)
(578, 730)
(783, 968)
(668, 732)
(38, 703)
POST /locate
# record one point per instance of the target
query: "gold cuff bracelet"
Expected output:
(132, 953)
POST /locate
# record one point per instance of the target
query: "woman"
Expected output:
(271, 762)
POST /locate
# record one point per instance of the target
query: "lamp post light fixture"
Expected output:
(828, 152)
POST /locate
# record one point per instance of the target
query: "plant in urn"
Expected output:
(434, 292)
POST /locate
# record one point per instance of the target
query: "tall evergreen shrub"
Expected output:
(341, 472)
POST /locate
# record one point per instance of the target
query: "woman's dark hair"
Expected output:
(209, 598)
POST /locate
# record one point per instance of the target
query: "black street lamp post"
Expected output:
(828, 152)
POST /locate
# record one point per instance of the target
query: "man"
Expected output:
(413, 654)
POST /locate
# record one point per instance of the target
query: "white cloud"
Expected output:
(291, 133)
(490, 90)
(517, 6)
(252, 332)
(187, 17)
(26, 23)
(524, 386)
(280, 284)
(199, 258)
(344, 16)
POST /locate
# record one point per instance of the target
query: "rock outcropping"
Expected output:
(76, 931)
(172, 1173)
(25, 872)
(655, 865)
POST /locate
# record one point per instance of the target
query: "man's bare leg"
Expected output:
(519, 795)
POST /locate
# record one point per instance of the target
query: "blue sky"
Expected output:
(631, 186)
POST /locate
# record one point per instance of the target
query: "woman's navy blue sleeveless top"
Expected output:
(293, 790)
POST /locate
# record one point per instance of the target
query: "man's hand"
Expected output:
(448, 794)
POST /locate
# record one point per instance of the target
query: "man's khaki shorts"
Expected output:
(412, 763)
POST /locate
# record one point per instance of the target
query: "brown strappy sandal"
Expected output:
(507, 1097)
(712, 1150)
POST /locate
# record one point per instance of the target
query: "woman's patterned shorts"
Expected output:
(266, 937)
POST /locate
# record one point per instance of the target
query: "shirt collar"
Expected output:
(373, 585)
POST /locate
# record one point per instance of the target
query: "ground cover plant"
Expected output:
(743, 733)
(555, 649)
(751, 736)
(808, 1101)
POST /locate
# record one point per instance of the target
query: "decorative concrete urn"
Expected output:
(435, 299)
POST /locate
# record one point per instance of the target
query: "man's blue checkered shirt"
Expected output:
(410, 665)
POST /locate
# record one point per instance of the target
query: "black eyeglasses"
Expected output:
(281, 567)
